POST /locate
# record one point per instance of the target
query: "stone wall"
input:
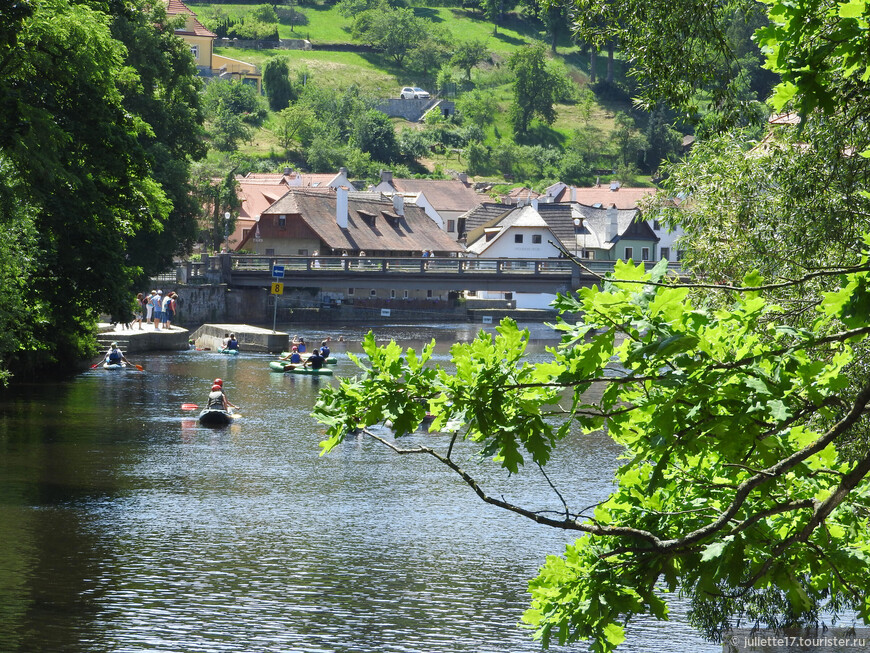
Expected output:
(252, 44)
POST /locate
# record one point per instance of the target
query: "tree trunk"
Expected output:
(593, 63)
(611, 49)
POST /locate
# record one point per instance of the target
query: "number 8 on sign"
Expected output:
(277, 288)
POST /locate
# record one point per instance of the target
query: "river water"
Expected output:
(126, 527)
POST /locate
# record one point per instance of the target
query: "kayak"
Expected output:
(332, 360)
(228, 351)
(215, 417)
(114, 366)
(287, 368)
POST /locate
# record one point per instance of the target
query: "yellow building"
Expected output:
(201, 42)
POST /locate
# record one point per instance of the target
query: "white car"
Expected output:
(413, 92)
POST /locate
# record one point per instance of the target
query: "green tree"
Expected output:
(88, 132)
(627, 138)
(537, 87)
(479, 106)
(373, 133)
(468, 54)
(277, 84)
(291, 123)
(395, 32)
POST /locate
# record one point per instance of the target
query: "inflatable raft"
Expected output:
(291, 368)
(332, 360)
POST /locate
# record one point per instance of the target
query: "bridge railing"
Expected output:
(227, 264)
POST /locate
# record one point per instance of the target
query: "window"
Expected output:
(629, 252)
(245, 233)
(270, 252)
(194, 50)
(404, 294)
(350, 291)
(666, 253)
(451, 226)
(518, 238)
(644, 253)
(282, 221)
(373, 292)
(393, 294)
(303, 252)
(656, 225)
(429, 294)
(536, 239)
(680, 253)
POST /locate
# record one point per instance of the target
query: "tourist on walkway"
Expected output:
(149, 306)
(140, 309)
(168, 311)
(157, 303)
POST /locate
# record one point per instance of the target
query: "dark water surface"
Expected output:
(126, 527)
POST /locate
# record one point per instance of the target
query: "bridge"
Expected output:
(549, 275)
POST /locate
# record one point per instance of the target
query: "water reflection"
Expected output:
(129, 527)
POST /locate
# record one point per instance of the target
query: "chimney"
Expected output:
(614, 186)
(288, 170)
(399, 204)
(342, 171)
(573, 193)
(341, 207)
(463, 177)
(387, 176)
(612, 223)
(534, 204)
(598, 182)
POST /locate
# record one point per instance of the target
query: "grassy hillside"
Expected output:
(379, 77)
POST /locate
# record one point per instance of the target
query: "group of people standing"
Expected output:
(157, 307)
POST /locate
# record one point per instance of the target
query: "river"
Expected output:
(126, 527)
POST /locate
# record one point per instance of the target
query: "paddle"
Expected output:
(189, 406)
(138, 367)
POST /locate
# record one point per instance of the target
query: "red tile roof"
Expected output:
(624, 198)
(176, 7)
(372, 225)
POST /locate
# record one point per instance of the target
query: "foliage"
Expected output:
(98, 136)
(373, 133)
(467, 54)
(627, 138)
(537, 87)
(395, 32)
(291, 123)
(276, 83)
(478, 106)
(730, 486)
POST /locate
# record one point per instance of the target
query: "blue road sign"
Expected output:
(278, 271)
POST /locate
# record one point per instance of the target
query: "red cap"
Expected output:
(215, 388)
(218, 382)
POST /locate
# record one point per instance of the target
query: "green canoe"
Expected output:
(287, 368)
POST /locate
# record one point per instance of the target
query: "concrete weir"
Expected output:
(135, 340)
(251, 338)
